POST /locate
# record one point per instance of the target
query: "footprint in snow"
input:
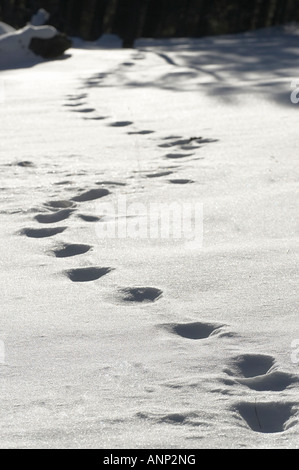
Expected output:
(77, 97)
(111, 183)
(181, 181)
(171, 137)
(159, 174)
(84, 110)
(121, 124)
(272, 417)
(193, 331)
(89, 218)
(42, 233)
(91, 195)
(63, 183)
(73, 105)
(250, 365)
(87, 274)
(140, 294)
(256, 371)
(175, 143)
(25, 164)
(189, 147)
(62, 204)
(54, 217)
(69, 250)
(96, 118)
(181, 418)
(145, 132)
(274, 381)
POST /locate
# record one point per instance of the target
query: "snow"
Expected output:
(156, 343)
(5, 28)
(14, 46)
(40, 17)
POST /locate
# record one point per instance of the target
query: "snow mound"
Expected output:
(14, 46)
(5, 28)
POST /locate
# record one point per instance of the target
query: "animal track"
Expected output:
(140, 294)
(87, 274)
(42, 233)
(69, 250)
(193, 331)
(91, 195)
(265, 417)
(54, 217)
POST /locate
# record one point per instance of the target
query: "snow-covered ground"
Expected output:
(205, 355)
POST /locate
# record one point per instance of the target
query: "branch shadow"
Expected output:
(261, 63)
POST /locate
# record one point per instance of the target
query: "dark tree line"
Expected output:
(130, 19)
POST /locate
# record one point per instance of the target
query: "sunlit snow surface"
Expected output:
(151, 342)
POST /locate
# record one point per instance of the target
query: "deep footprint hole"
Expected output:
(140, 294)
(265, 417)
(42, 233)
(194, 331)
(71, 250)
(54, 217)
(91, 195)
(89, 218)
(87, 274)
(251, 365)
(181, 181)
(62, 204)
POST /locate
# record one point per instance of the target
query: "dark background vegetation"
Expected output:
(130, 19)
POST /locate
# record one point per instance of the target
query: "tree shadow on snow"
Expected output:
(222, 67)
